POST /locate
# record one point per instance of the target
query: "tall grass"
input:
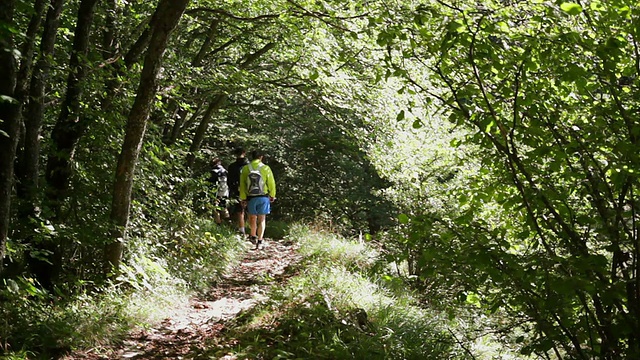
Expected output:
(331, 249)
(334, 309)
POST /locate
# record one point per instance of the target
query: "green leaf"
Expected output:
(157, 159)
(596, 6)
(314, 75)
(455, 26)
(571, 8)
(417, 124)
(625, 12)
(400, 115)
(473, 299)
(9, 99)
(489, 126)
(403, 219)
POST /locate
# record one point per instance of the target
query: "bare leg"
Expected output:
(252, 224)
(240, 219)
(262, 224)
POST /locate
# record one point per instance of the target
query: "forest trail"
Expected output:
(192, 330)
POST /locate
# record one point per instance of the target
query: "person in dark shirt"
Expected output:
(237, 209)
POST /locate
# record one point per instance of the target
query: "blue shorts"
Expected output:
(260, 205)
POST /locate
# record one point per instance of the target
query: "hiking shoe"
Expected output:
(253, 239)
(259, 244)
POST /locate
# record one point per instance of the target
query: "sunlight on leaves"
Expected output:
(571, 8)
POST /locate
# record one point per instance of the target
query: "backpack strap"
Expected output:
(252, 169)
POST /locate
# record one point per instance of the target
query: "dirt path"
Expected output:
(185, 333)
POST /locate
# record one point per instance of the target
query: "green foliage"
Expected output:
(152, 281)
(276, 229)
(203, 258)
(331, 312)
(544, 230)
(173, 217)
(499, 136)
(317, 161)
(40, 326)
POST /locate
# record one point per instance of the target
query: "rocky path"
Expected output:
(189, 332)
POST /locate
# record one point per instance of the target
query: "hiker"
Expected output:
(219, 180)
(236, 207)
(257, 192)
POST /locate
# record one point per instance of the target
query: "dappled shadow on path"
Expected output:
(187, 332)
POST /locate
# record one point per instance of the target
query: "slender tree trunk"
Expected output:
(166, 18)
(70, 125)
(215, 104)
(26, 204)
(22, 91)
(181, 124)
(110, 49)
(26, 60)
(173, 134)
(10, 125)
(110, 43)
(137, 49)
(28, 166)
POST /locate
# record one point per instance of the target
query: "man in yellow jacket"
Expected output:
(257, 192)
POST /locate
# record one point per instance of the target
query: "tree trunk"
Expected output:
(29, 165)
(137, 49)
(26, 61)
(170, 130)
(110, 49)
(110, 43)
(166, 18)
(10, 125)
(182, 124)
(70, 125)
(215, 104)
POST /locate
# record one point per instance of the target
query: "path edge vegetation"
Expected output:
(341, 302)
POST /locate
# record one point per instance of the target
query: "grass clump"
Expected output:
(276, 229)
(330, 249)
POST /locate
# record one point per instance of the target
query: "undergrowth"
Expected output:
(156, 277)
(335, 308)
(203, 254)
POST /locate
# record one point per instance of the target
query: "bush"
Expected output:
(201, 256)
